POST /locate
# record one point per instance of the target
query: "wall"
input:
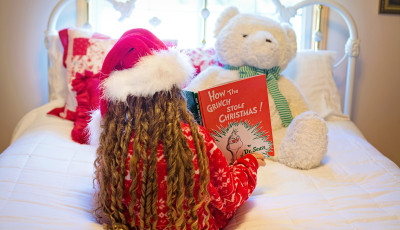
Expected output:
(23, 58)
(23, 81)
(376, 106)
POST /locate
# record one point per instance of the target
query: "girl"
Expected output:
(155, 167)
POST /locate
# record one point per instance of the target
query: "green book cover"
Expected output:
(193, 105)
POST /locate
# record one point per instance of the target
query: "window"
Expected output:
(181, 20)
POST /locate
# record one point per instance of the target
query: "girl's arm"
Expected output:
(230, 186)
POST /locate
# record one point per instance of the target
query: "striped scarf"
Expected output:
(272, 75)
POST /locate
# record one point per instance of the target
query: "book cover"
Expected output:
(237, 116)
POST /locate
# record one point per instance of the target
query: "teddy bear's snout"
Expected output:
(260, 49)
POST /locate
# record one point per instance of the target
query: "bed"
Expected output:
(46, 176)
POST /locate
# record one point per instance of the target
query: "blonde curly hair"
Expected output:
(144, 123)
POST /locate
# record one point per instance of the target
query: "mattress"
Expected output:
(46, 179)
(46, 182)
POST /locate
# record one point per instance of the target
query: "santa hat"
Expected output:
(139, 64)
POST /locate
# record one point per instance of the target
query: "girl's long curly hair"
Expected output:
(153, 120)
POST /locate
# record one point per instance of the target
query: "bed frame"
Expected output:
(46, 179)
(285, 13)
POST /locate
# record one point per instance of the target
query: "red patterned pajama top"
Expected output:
(229, 187)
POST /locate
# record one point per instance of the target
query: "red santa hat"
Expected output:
(139, 64)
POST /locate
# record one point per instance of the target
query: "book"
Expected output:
(237, 116)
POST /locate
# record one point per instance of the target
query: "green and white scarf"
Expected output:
(272, 76)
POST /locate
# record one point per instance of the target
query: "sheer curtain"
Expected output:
(182, 21)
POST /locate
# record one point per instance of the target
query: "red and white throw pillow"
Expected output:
(84, 53)
(202, 58)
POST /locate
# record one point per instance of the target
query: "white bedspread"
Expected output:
(46, 183)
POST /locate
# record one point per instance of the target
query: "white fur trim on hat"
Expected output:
(94, 128)
(152, 73)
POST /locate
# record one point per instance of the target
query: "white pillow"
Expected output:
(312, 71)
(57, 76)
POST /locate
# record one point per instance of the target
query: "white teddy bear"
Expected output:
(251, 45)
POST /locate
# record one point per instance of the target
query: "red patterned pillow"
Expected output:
(83, 51)
(202, 58)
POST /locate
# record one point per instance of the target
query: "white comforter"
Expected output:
(46, 183)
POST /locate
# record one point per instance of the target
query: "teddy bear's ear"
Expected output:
(224, 18)
(291, 40)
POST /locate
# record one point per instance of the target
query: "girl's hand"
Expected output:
(260, 159)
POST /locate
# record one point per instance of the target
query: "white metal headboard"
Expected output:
(351, 48)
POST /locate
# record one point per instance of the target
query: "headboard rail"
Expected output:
(352, 47)
(55, 14)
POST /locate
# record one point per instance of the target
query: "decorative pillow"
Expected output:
(312, 71)
(83, 51)
(201, 58)
(83, 57)
(86, 87)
